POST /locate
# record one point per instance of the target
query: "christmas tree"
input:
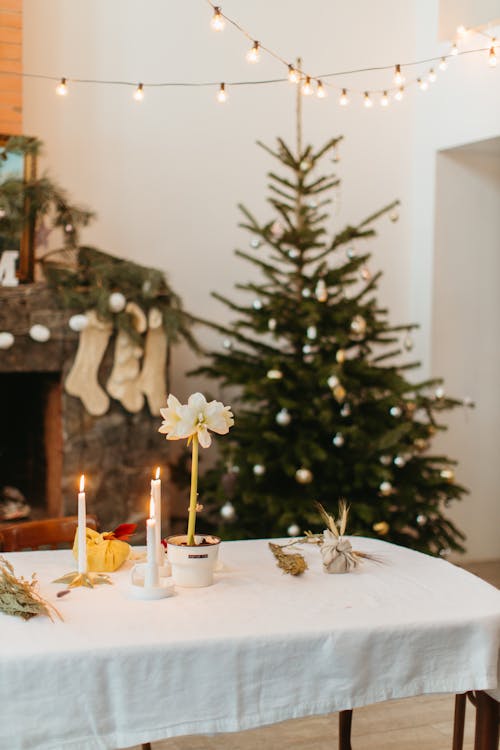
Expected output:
(325, 408)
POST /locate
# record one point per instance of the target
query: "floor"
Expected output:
(423, 723)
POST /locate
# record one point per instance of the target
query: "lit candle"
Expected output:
(156, 497)
(152, 576)
(82, 522)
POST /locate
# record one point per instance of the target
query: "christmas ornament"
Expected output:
(227, 511)
(6, 339)
(255, 242)
(339, 393)
(340, 356)
(312, 332)
(293, 530)
(146, 286)
(358, 326)
(332, 381)
(227, 344)
(305, 164)
(272, 324)
(351, 253)
(277, 230)
(385, 488)
(439, 393)
(321, 292)
(308, 358)
(394, 215)
(235, 469)
(257, 304)
(283, 417)
(421, 444)
(78, 322)
(68, 228)
(408, 343)
(395, 411)
(338, 440)
(421, 520)
(39, 333)
(274, 374)
(410, 407)
(444, 552)
(259, 470)
(385, 460)
(399, 461)
(306, 293)
(312, 204)
(365, 273)
(303, 476)
(468, 401)
(345, 410)
(382, 528)
(447, 474)
(293, 253)
(116, 302)
(307, 349)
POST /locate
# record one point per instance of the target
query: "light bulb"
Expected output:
(62, 88)
(293, 75)
(384, 100)
(307, 88)
(399, 78)
(343, 98)
(139, 93)
(217, 22)
(222, 94)
(320, 91)
(253, 53)
(399, 94)
(492, 58)
(443, 64)
(422, 84)
(432, 76)
(454, 49)
(367, 101)
(462, 30)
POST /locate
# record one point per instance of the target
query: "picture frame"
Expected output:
(19, 166)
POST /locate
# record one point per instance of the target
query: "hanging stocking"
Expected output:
(152, 378)
(123, 383)
(82, 379)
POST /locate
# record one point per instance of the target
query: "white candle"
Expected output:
(152, 577)
(82, 522)
(156, 497)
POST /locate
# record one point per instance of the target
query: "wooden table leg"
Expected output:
(146, 746)
(459, 721)
(345, 723)
(487, 716)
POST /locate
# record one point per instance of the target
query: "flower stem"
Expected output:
(194, 491)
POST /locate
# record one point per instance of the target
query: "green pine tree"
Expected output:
(325, 408)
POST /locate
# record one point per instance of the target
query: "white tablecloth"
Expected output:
(255, 648)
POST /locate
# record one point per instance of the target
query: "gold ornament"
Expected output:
(339, 393)
(447, 474)
(382, 528)
(420, 444)
(303, 476)
(358, 327)
(340, 356)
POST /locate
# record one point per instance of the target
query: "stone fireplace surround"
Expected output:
(117, 451)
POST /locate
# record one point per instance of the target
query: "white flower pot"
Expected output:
(193, 566)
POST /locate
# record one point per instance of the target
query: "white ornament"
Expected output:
(274, 374)
(312, 204)
(293, 253)
(306, 292)
(408, 343)
(399, 461)
(394, 215)
(8, 268)
(68, 228)
(227, 511)
(257, 304)
(333, 381)
(117, 302)
(307, 349)
(227, 344)
(255, 242)
(395, 411)
(6, 339)
(385, 488)
(439, 392)
(303, 476)
(283, 417)
(338, 440)
(345, 410)
(312, 332)
(365, 273)
(39, 333)
(272, 324)
(78, 322)
(421, 520)
(321, 291)
(259, 470)
(351, 253)
(385, 460)
(277, 230)
(293, 530)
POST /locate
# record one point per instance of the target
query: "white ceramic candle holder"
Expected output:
(140, 590)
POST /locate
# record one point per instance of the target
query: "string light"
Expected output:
(217, 23)
(399, 78)
(222, 94)
(422, 84)
(139, 93)
(399, 94)
(462, 31)
(320, 91)
(432, 77)
(443, 64)
(253, 53)
(492, 58)
(366, 100)
(293, 75)
(307, 88)
(344, 99)
(62, 88)
(454, 49)
(384, 100)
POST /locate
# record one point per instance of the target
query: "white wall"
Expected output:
(165, 175)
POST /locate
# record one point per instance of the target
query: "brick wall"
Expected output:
(11, 52)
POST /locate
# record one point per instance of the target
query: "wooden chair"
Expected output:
(50, 532)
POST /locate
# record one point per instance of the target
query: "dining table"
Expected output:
(256, 647)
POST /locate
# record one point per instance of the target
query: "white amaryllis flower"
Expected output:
(196, 417)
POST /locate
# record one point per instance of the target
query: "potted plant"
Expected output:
(193, 557)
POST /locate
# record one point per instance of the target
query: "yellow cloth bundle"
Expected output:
(105, 553)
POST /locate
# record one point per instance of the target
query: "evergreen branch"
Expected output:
(269, 270)
(378, 214)
(327, 147)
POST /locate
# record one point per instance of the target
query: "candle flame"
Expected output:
(157, 476)
(82, 483)
(152, 507)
